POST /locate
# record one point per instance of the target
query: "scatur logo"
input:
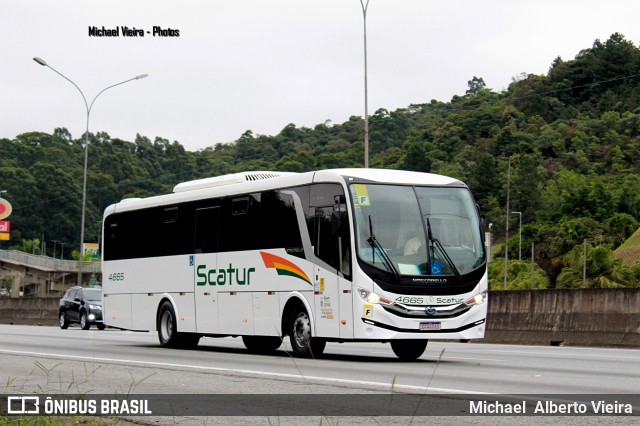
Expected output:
(283, 266)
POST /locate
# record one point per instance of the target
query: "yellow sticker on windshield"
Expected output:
(362, 195)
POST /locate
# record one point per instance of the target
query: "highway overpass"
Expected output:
(27, 275)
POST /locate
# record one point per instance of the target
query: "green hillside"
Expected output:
(629, 251)
(572, 138)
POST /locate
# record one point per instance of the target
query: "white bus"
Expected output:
(327, 256)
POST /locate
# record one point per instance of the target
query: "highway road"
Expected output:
(38, 359)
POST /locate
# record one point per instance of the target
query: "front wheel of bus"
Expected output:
(408, 350)
(302, 343)
(261, 344)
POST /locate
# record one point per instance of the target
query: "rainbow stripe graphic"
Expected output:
(283, 266)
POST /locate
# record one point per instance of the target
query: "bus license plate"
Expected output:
(430, 326)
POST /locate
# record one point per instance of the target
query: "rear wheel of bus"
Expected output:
(302, 343)
(408, 350)
(168, 329)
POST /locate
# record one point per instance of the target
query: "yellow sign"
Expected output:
(362, 195)
(92, 248)
(5, 209)
(4, 236)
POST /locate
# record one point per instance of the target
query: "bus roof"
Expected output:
(247, 182)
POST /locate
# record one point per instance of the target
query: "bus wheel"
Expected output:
(168, 330)
(261, 344)
(167, 327)
(302, 343)
(408, 350)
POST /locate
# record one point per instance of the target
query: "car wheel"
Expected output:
(303, 345)
(101, 326)
(84, 321)
(64, 324)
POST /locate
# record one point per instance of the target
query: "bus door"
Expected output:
(332, 271)
(205, 265)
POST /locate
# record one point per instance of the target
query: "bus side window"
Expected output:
(206, 238)
(240, 206)
(279, 223)
(170, 215)
(331, 244)
(331, 227)
(239, 228)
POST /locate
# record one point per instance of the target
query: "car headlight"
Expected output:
(95, 307)
(373, 298)
(478, 299)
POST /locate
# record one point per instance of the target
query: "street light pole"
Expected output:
(55, 242)
(519, 235)
(86, 149)
(365, 6)
(506, 245)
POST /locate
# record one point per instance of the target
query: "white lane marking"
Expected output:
(555, 354)
(445, 357)
(242, 371)
(472, 359)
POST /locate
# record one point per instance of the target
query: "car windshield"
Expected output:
(93, 295)
(417, 230)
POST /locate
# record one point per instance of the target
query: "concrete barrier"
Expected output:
(589, 317)
(581, 317)
(29, 311)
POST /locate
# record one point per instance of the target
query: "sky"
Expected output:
(260, 65)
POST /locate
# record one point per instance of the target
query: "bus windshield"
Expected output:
(417, 230)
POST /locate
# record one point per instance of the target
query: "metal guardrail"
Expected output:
(49, 263)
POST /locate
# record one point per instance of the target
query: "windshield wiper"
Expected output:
(373, 242)
(437, 243)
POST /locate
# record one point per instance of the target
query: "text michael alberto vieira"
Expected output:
(125, 31)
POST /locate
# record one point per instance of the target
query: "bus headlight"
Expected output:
(478, 299)
(371, 297)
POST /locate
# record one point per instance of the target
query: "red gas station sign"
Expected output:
(5, 225)
(5, 209)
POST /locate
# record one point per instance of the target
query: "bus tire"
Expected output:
(304, 345)
(261, 344)
(408, 350)
(167, 326)
(168, 330)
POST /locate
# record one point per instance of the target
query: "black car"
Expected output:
(83, 306)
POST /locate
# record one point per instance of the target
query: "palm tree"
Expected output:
(603, 269)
